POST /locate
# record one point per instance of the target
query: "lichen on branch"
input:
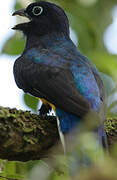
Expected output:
(25, 136)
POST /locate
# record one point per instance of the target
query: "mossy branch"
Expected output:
(25, 136)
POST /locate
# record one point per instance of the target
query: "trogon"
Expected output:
(50, 67)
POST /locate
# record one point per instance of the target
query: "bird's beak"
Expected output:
(20, 12)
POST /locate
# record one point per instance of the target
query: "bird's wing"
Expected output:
(53, 82)
(97, 77)
(102, 107)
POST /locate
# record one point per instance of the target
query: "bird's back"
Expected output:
(60, 55)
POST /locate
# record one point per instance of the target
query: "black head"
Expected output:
(45, 17)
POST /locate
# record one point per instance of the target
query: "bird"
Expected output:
(46, 107)
(53, 69)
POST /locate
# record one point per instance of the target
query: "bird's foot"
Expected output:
(44, 110)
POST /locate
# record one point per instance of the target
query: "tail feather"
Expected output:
(61, 135)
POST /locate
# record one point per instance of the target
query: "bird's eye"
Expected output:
(37, 10)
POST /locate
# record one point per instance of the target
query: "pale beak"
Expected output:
(20, 12)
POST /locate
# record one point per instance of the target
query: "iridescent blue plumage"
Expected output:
(61, 52)
(52, 68)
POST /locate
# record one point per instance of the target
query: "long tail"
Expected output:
(61, 135)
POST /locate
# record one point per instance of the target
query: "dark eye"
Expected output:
(37, 10)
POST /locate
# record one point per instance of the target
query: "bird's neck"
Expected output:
(44, 41)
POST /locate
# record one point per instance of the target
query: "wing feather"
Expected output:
(55, 84)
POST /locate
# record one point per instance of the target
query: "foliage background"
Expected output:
(89, 19)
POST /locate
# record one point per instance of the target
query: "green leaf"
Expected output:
(18, 5)
(14, 45)
(31, 101)
(109, 84)
(105, 62)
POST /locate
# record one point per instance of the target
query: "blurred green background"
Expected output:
(91, 23)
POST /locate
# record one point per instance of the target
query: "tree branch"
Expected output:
(25, 136)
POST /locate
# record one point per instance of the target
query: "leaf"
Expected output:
(105, 62)
(14, 45)
(18, 5)
(109, 84)
(31, 101)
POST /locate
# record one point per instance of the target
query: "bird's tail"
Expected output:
(85, 148)
(62, 139)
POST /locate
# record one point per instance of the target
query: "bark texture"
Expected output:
(25, 136)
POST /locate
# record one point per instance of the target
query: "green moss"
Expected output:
(111, 126)
(30, 140)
